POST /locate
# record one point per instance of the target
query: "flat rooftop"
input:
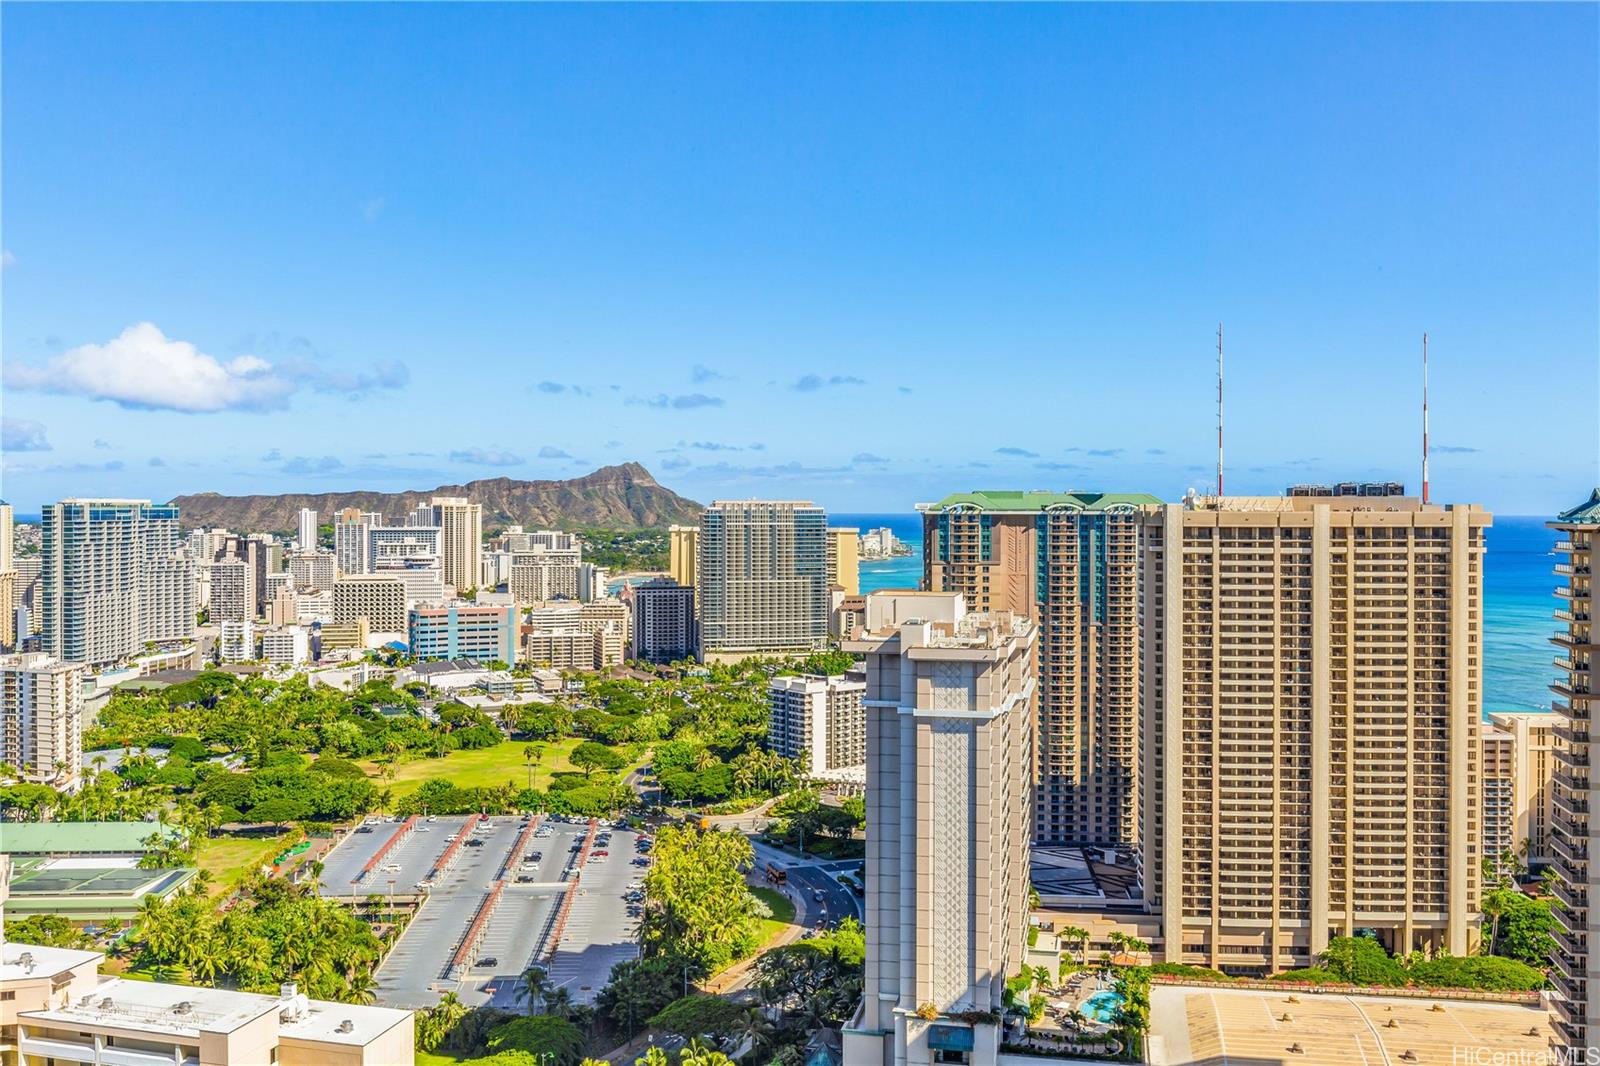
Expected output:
(1254, 1027)
(43, 961)
(53, 838)
(184, 1011)
(1064, 875)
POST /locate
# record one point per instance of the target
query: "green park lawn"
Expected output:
(229, 859)
(437, 1058)
(480, 767)
(782, 914)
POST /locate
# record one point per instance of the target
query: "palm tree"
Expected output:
(558, 1003)
(536, 986)
(1072, 934)
(755, 1026)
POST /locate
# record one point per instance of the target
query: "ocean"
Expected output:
(1517, 624)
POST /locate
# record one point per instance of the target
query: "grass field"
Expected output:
(437, 1058)
(480, 767)
(782, 914)
(230, 858)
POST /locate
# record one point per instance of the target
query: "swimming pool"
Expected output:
(1101, 1007)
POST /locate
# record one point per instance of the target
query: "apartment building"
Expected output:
(169, 613)
(263, 556)
(1070, 562)
(821, 722)
(41, 718)
(8, 580)
(463, 631)
(232, 591)
(763, 575)
(313, 570)
(663, 621)
(379, 598)
(567, 648)
(1497, 759)
(236, 642)
(460, 523)
(285, 645)
(516, 539)
(99, 578)
(1312, 673)
(683, 554)
(56, 1008)
(1523, 766)
(541, 575)
(350, 545)
(306, 530)
(1576, 974)
(844, 559)
(949, 709)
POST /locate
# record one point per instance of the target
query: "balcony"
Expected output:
(1576, 593)
(1574, 902)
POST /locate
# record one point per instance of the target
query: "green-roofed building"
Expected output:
(61, 839)
(1070, 561)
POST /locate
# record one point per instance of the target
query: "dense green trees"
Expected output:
(1518, 926)
(277, 932)
(697, 902)
(816, 981)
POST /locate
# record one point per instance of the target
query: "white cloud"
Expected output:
(22, 435)
(7, 260)
(485, 457)
(144, 368)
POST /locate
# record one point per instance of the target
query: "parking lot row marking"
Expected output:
(377, 858)
(442, 863)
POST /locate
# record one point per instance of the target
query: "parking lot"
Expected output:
(414, 855)
(598, 931)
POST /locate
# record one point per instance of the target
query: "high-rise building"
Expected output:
(1070, 562)
(350, 545)
(41, 717)
(763, 570)
(1497, 771)
(410, 554)
(844, 559)
(232, 595)
(1312, 675)
(8, 580)
(663, 621)
(1530, 779)
(1574, 836)
(168, 612)
(306, 529)
(285, 645)
(460, 523)
(683, 554)
(819, 721)
(313, 570)
(949, 706)
(464, 631)
(99, 577)
(543, 574)
(379, 598)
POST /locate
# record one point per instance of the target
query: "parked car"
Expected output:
(363, 828)
(601, 854)
(473, 842)
(524, 879)
(488, 961)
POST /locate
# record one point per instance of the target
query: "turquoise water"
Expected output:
(1101, 1007)
(1517, 602)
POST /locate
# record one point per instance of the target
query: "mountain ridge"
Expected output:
(624, 496)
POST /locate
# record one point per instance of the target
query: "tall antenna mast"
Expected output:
(1424, 417)
(1219, 408)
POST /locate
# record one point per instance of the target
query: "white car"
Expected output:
(423, 829)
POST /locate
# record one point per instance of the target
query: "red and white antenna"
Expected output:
(1219, 408)
(1424, 417)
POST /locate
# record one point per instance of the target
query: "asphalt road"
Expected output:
(812, 877)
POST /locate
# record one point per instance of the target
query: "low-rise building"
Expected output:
(343, 636)
(463, 630)
(237, 642)
(287, 646)
(562, 649)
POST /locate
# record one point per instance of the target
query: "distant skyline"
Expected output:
(861, 255)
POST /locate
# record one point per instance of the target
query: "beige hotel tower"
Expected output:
(1312, 671)
(949, 709)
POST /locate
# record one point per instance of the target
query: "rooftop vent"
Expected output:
(25, 960)
(346, 1026)
(182, 1007)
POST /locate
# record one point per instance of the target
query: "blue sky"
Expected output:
(862, 255)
